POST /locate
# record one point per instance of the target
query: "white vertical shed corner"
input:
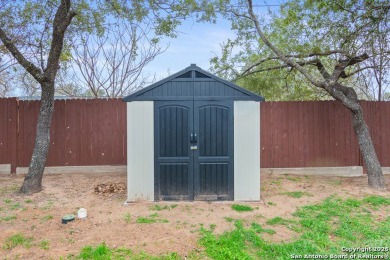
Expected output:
(140, 151)
(246, 151)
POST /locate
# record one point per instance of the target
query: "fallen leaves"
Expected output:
(108, 189)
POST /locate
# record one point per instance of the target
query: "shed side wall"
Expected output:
(140, 151)
(246, 151)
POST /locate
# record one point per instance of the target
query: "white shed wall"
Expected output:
(246, 151)
(140, 151)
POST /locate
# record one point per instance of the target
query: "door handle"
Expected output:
(193, 140)
(193, 137)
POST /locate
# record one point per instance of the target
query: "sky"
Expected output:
(198, 43)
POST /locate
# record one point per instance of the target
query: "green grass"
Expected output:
(229, 219)
(8, 189)
(229, 245)
(334, 182)
(293, 178)
(321, 229)
(278, 182)
(289, 223)
(242, 208)
(259, 229)
(7, 201)
(278, 221)
(16, 240)
(127, 218)
(377, 201)
(296, 194)
(49, 205)
(7, 218)
(46, 218)
(103, 252)
(44, 244)
(213, 226)
(15, 206)
(153, 218)
(165, 207)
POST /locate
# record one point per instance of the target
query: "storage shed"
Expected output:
(193, 136)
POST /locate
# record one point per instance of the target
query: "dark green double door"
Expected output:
(193, 150)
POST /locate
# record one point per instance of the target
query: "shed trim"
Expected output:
(246, 151)
(138, 95)
(140, 151)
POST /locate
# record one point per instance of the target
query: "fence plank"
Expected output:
(86, 131)
(386, 133)
(8, 131)
(28, 118)
(123, 130)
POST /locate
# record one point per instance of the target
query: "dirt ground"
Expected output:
(39, 216)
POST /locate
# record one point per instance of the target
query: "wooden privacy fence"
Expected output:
(319, 134)
(83, 132)
(93, 132)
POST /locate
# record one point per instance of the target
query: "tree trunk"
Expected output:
(33, 181)
(348, 97)
(374, 170)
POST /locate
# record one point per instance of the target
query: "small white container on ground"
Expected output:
(82, 213)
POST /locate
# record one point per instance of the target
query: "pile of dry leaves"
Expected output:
(107, 189)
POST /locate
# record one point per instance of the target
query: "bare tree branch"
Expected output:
(27, 65)
(277, 52)
(112, 65)
(339, 70)
(301, 63)
(300, 56)
(345, 75)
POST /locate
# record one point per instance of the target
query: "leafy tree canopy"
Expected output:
(305, 29)
(29, 23)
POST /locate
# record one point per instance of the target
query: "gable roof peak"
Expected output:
(187, 77)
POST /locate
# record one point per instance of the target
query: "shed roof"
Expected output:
(193, 83)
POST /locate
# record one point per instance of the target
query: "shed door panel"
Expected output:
(174, 171)
(194, 150)
(213, 160)
(174, 179)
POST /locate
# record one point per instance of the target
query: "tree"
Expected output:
(111, 65)
(6, 76)
(39, 36)
(29, 86)
(238, 61)
(281, 85)
(5, 84)
(46, 78)
(302, 27)
(330, 44)
(375, 82)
